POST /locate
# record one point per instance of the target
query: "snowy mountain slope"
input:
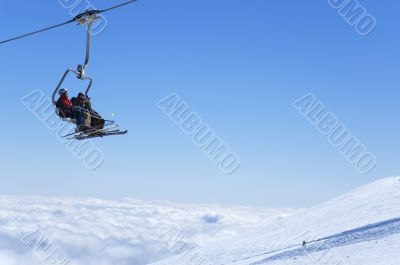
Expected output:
(359, 228)
(125, 232)
(384, 251)
(367, 235)
(363, 220)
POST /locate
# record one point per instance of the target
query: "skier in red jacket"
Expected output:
(64, 105)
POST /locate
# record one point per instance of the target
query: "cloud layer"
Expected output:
(124, 232)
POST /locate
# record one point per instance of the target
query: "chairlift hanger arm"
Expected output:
(82, 68)
(88, 39)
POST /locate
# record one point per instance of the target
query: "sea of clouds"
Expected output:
(86, 231)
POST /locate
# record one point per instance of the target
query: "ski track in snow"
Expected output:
(358, 235)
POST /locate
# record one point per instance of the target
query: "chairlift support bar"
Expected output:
(87, 19)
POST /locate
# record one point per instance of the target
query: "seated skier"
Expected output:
(86, 118)
(83, 117)
(64, 105)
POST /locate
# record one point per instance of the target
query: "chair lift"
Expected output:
(110, 127)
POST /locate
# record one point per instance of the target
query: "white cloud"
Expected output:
(125, 232)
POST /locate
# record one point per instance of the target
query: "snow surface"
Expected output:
(125, 232)
(361, 227)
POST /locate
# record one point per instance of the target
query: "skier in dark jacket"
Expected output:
(87, 118)
(83, 117)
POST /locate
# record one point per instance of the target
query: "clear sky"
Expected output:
(239, 65)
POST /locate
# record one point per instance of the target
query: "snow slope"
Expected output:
(125, 232)
(358, 228)
(361, 227)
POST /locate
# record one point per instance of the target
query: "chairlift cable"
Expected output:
(77, 18)
(117, 6)
(37, 32)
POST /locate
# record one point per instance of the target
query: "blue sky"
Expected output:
(239, 65)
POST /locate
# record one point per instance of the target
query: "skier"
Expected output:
(87, 118)
(83, 117)
(64, 105)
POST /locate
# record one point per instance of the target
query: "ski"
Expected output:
(101, 135)
(76, 134)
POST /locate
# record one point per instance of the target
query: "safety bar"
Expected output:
(63, 79)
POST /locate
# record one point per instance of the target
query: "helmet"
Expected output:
(81, 96)
(62, 91)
